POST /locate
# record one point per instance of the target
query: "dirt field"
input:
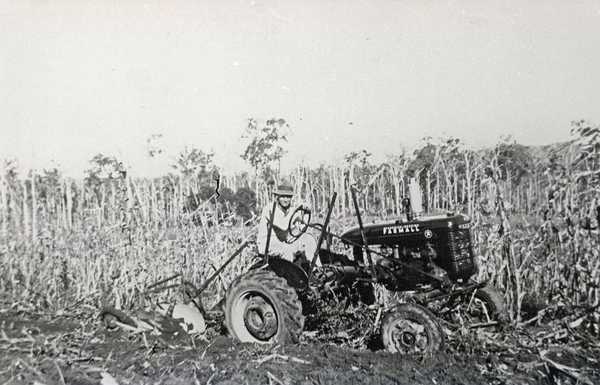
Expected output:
(74, 347)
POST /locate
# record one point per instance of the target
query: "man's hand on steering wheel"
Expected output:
(305, 206)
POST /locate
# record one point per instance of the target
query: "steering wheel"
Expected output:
(300, 215)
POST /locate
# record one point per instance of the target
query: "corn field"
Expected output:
(536, 214)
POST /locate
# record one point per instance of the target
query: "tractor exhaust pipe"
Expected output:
(416, 198)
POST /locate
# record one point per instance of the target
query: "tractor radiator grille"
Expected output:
(460, 252)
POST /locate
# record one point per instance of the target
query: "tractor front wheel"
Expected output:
(410, 328)
(262, 308)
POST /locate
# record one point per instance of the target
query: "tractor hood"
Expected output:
(421, 228)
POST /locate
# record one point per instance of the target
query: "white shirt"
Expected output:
(281, 222)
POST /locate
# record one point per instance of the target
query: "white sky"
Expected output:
(78, 78)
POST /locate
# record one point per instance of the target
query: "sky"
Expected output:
(79, 77)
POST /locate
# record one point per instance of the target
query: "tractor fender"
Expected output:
(295, 276)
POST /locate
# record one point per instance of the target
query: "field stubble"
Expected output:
(61, 265)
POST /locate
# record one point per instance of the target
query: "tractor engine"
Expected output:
(438, 245)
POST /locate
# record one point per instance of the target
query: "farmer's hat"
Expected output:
(284, 189)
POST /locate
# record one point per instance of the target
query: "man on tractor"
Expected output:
(282, 243)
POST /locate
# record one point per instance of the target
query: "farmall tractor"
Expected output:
(428, 257)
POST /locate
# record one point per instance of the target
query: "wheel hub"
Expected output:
(409, 337)
(260, 319)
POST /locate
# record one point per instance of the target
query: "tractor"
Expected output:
(428, 257)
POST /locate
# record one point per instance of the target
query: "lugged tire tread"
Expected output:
(285, 296)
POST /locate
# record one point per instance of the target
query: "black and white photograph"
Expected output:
(317, 192)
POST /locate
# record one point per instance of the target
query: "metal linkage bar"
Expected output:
(471, 287)
(270, 230)
(220, 269)
(322, 235)
(157, 283)
(362, 232)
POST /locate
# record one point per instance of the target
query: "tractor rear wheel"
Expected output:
(410, 328)
(262, 308)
